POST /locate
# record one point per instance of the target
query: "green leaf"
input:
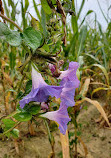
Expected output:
(20, 95)
(15, 133)
(14, 38)
(31, 108)
(46, 47)
(36, 10)
(8, 123)
(34, 109)
(82, 38)
(71, 134)
(89, 12)
(43, 22)
(26, 5)
(23, 116)
(53, 2)
(6, 8)
(4, 30)
(32, 38)
(81, 7)
(74, 19)
(19, 109)
(46, 7)
(24, 19)
(102, 12)
(28, 86)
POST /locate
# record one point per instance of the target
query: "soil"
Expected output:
(97, 140)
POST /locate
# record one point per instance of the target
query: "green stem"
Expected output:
(20, 84)
(48, 130)
(11, 128)
(25, 63)
(51, 138)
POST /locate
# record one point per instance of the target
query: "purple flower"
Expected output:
(68, 92)
(69, 82)
(60, 116)
(40, 90)
(70, 74)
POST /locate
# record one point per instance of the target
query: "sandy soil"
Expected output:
(97, 140)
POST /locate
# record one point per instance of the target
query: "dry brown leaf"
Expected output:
(7, 97)
(84, 146)
(3, 62)
(99, 83)
(99, 107)
(65, 145)
(8, 78)
(85, 87)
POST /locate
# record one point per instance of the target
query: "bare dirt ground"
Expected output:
(97, 140)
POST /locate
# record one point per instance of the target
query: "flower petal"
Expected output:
(67, 96)
(28, 98)
(54, 91)
(70, 74)
(40, 90)
(37, 79)
(60, 116)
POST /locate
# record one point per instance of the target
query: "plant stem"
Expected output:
(11, 21)
(20, 84)
(31, 128)
(51, 138)
(25, 63)
(74, 117)
(4, 95)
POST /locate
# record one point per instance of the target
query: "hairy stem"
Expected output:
(11, 21)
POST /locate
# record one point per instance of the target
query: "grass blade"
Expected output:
(89, 12)
(36, 10)
(82, 38)
(99, 89)
(102, 12)
(80, 10)
(6, 9)
(104, 71)
(94, 58)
